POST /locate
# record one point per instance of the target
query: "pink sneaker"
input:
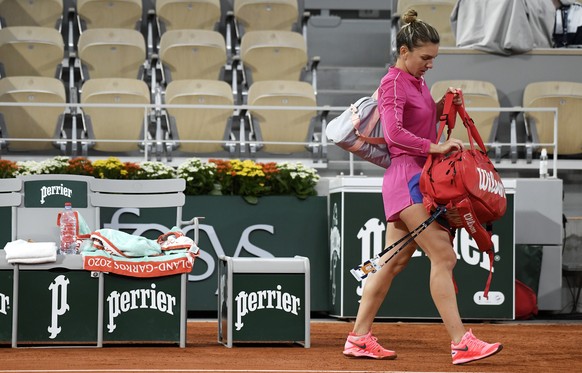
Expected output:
(366, 346)
(470, 349)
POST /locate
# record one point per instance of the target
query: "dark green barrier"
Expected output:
(278, 226)
(6, 226)
(264, 300)
(363, 234)
(268, 324)
(6, 301)
(275, 227)
(57, 306)
(141, 309)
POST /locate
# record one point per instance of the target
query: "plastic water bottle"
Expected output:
(544, 164)
(68, 226)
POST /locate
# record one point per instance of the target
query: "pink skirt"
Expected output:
(400, 187)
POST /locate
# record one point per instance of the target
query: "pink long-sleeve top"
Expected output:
(408, 113)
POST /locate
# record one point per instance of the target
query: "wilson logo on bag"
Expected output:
(466, 183)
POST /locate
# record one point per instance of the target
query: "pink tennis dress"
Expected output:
(408, 114)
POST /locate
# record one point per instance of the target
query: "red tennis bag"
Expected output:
(466, 183)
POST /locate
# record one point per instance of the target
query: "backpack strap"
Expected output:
(357, 122)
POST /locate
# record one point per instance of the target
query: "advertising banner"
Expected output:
(137, 309)
(55, 192)
(278, 226)
(57, 306)
(357, 233)
(6, 300)
(280, 317)
(44, 197)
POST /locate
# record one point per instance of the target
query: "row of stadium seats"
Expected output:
(437, 13)
(189, 66)
(109, 32)
(539, 129)
(216, 123)
(112, 63)
(183, 54)
(170, 14)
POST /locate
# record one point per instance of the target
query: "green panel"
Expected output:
(57, 306)
(222, 292)
(145, 222)
(54, 193)
(473, 268)
(268, 307)
(138, 309)
(528, 265)
(363, 237)
(279, 226)
(6, 226)
(336, 256)
(6, 300)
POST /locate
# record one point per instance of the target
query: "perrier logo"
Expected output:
(59, 190)
(4, 304)
(50, 193)
(265, 299)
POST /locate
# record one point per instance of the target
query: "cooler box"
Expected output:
(264, 300)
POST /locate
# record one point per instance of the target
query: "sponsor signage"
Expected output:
(265, 300)
(357, 233)
(275, 227)
(57, 306)
(54, 193)
(268, 307)
(141, 309)
(6, 301)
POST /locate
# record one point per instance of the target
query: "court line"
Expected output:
(196, 371)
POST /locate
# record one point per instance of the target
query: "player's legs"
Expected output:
(377, 284)
(436, 243)
(361, 342)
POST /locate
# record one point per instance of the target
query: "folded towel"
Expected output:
(124, 244)
(21, 251)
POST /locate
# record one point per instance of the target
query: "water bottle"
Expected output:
(68, 226)
(544, 164)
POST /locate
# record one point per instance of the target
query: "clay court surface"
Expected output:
(531, 347)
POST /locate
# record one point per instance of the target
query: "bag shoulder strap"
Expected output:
(374, 118)
(448, 118)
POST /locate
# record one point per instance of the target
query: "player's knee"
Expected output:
(445, 258)
(395, 266)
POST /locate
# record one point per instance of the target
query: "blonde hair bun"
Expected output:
(409, 16)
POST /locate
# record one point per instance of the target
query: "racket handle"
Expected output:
(363, 270)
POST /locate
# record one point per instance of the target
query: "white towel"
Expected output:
(21, 251)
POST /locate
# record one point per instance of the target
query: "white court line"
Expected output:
(198, 370)
(192, 370)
